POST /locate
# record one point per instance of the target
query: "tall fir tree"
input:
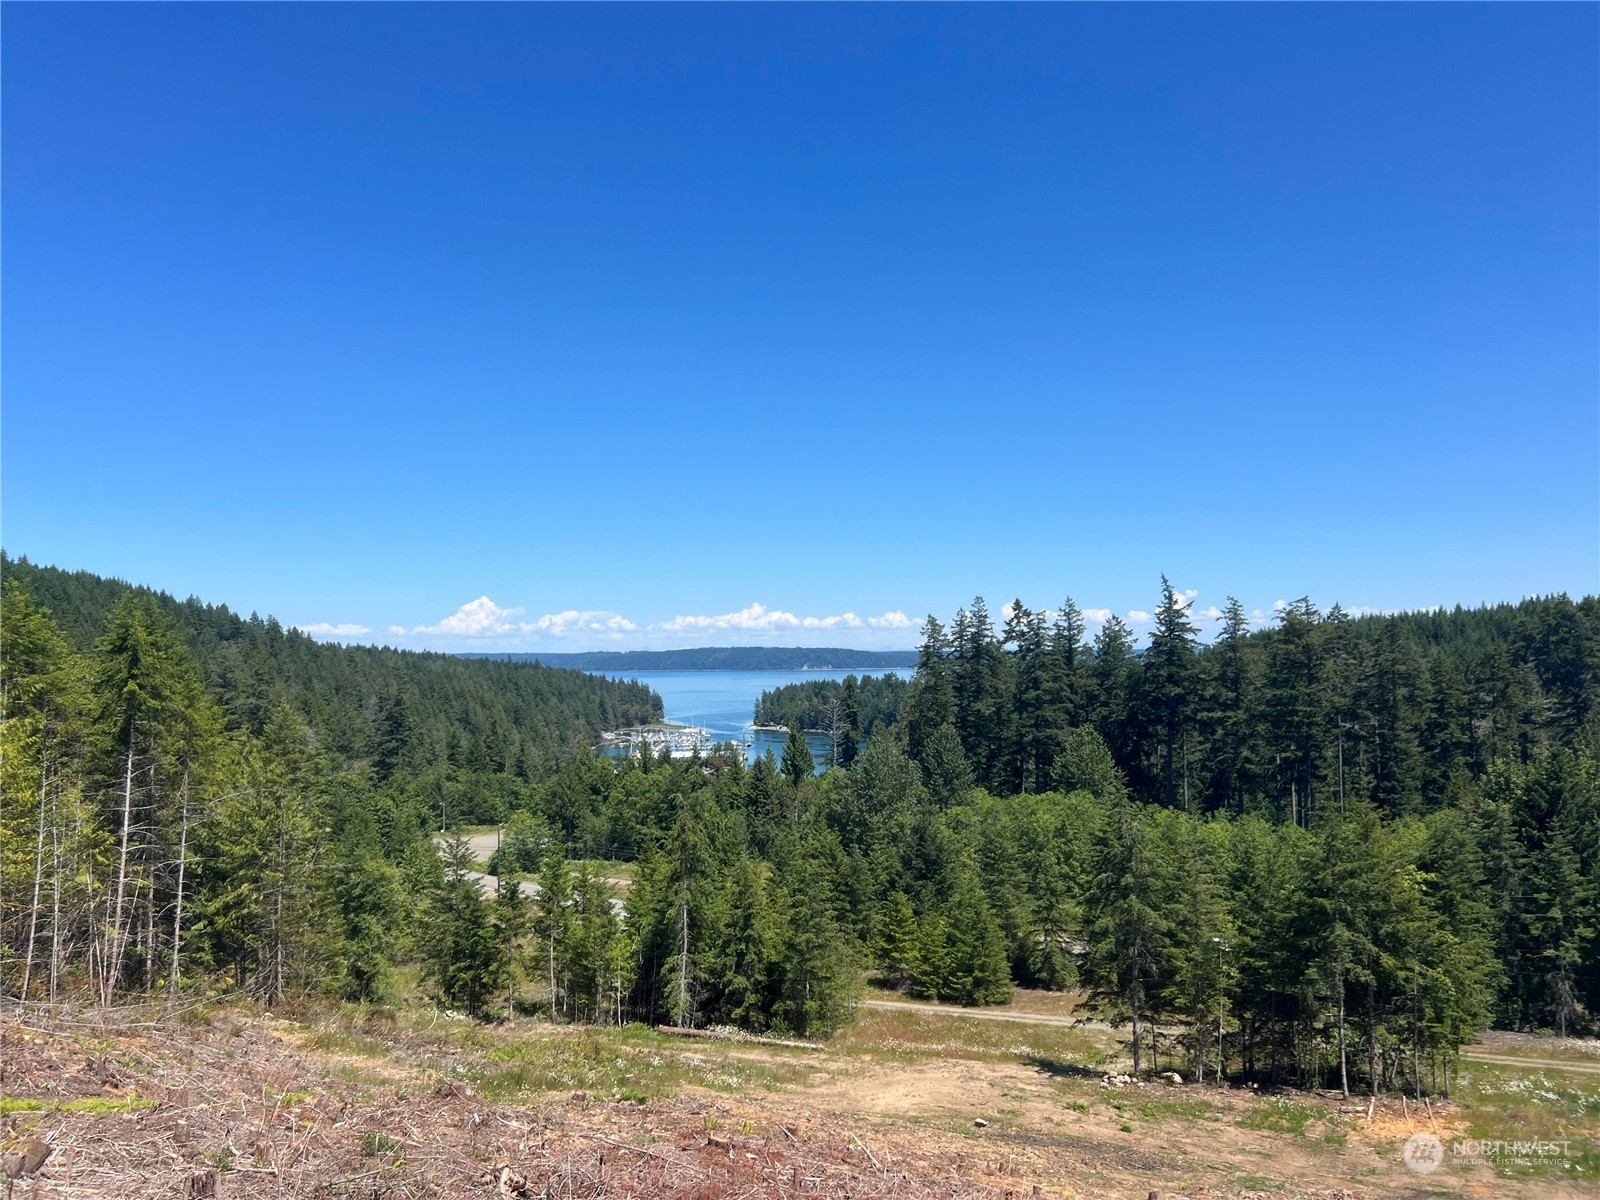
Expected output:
(977, 970)
(1129, 932)
(464, 956)
(798, 763)
(850, 722)
(930, 700)
(1167, 678)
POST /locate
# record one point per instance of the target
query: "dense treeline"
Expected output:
(186, 791)
(1358, 732)
(1330, 850)
(1357, 949)
(1407, 711)
(442, 723)
(143, 843)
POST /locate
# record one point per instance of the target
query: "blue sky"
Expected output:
(560, 327)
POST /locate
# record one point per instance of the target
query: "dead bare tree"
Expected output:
(114, 965)
(834, 723)
(38, 861)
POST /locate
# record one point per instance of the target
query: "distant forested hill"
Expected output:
(397, 708)
(722, 658)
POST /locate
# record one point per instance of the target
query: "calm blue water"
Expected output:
(724, 701)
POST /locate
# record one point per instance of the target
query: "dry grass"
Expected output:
(1023, 1002)
(906, 1035)
(1511, 1104)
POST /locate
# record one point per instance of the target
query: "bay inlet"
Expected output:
(723, 703)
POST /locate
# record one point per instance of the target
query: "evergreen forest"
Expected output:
(1329, 849)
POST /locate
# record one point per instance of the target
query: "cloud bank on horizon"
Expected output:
(759, 618)
(482, 623)
(483, 618)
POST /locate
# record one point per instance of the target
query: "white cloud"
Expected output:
(1137, 616)
(343, 629)
(844, 620)
(1098, 615)
(758, 618)
(572, 621)
(483, 618)
(755, 617)
(1279, 605)
(476, 618)
(1213, 613)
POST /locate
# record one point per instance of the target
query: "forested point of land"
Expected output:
(1328, 851)
(853, 706)
(721, 658)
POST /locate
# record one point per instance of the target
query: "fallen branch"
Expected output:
(596, 1137)
(869, 1155)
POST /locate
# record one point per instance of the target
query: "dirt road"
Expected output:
(987, 1014)
(1471, 1053)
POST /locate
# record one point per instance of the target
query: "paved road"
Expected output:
(484, 844)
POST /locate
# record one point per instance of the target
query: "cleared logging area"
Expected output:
(912, 1101)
